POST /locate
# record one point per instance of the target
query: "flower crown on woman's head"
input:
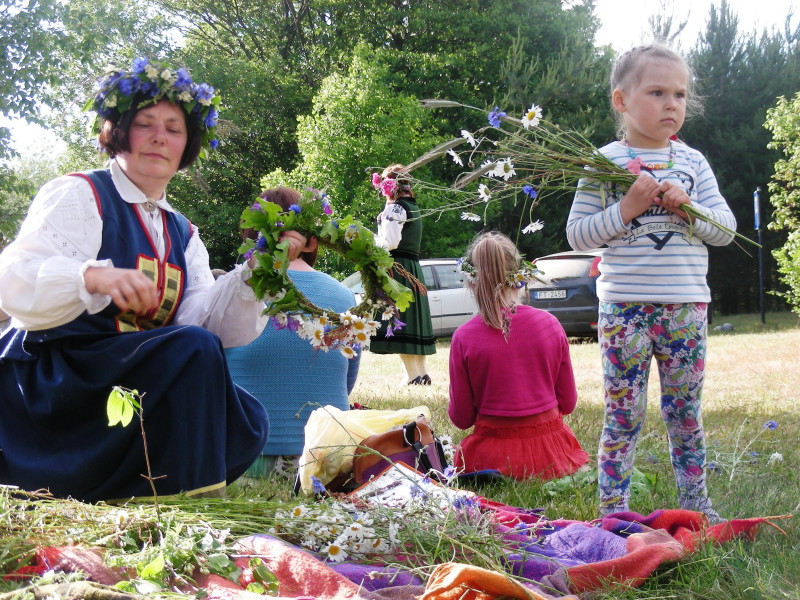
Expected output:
(526, 272)
(155, 81)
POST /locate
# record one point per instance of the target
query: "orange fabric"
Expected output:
(456, 581)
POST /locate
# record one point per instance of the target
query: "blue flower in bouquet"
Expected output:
(770, 424)
(319, 487)
(296, 209)
(530, 191)
(495, 116)
(213, 143)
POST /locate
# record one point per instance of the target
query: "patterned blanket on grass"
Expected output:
(560, 558)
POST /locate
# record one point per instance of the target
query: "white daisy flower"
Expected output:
(387, 314)
(347, 318)
(489, 163)
(299, 511)
(355, 531)
(468, 136)
(470, 216)
(533, 227)
(350, 234)
(532, 117)
(379, 545)
(484, 193)
(456, 158)
(503, 168)
(347, 351)
(269, 297)
(775, 457)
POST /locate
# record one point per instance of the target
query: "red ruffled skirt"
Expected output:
(539, 445)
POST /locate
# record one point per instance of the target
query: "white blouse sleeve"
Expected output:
(227, 307)
(390, 226)
(41, 271)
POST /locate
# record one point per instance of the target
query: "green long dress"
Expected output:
(417, 335)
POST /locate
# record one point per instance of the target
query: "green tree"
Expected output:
(783, 120)
(359, 125)
(740, 78)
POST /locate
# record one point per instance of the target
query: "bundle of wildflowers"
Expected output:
(288, 307)
(528, 158)
(151, 552)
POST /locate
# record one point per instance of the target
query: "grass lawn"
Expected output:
(751, 378)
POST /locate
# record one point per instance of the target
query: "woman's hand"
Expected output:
(639, 198)
(672, 198)
(297, 243)
(129, 289)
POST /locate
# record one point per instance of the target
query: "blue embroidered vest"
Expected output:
(127, 243)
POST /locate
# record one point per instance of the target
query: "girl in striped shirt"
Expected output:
(652, 287)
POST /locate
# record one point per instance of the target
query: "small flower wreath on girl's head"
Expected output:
(288, 307)
(514, 279)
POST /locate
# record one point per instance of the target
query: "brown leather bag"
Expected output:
(414, 444)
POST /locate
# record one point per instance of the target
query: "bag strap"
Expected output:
(412, 437)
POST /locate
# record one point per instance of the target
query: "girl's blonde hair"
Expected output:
(493, 255)
(628, 69)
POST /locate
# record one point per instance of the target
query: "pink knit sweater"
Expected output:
(529, 374)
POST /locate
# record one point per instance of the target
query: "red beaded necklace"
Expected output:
(652, 166)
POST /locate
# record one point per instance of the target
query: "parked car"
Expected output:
(568, 290)
(451, 304)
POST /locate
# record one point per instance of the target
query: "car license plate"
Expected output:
(549, 294)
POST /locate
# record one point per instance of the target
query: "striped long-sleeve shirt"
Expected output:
(656, 257)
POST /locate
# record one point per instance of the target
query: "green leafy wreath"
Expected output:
(288, 307)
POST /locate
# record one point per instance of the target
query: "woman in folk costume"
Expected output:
(400, 232)
(108, 286)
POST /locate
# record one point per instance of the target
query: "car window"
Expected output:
(353, 283)
(564, 268)
(427, 276)
(449, 277)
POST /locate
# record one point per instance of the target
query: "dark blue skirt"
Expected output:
(202, 430)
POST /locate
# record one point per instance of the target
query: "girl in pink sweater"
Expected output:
(511, 375)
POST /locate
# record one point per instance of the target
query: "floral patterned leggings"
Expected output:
(630, 334)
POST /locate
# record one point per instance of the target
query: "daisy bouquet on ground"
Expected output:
(529, 158)
(288, 307)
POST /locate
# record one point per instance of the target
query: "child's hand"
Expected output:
(672, 197)
(639, 198)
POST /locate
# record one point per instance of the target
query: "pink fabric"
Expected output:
(529, 374)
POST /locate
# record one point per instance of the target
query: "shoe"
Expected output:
(425, 379)
(416, 381)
